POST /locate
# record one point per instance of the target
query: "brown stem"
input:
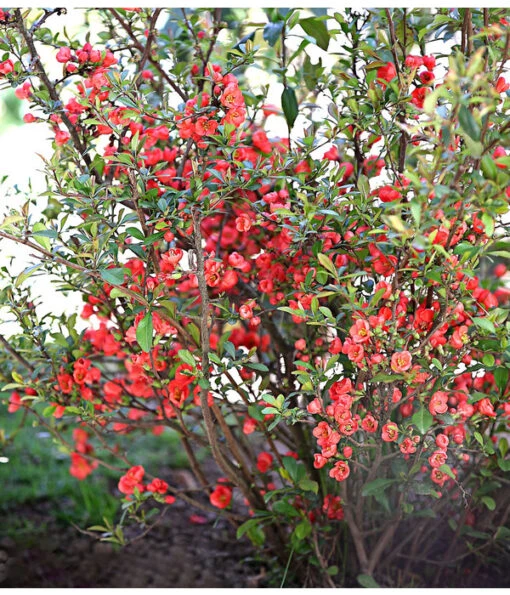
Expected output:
(355, 531)
(150, 37)
(225, 465)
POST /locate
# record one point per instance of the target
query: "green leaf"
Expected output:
(422, 419)
(290, 106)
(479, 438)
(488, 360)
(503, 446)
(186, 357)
(49, 411)
(367, 581)
(42, 234)
(504, 465)
(256, 366)
(468, 123)
(246, 526)
(135, 233)
(144, 333)
(303, 529)
(272, 32)
(415, 207)
(485, 324)
(256, 536)
(117, 292)
(28, 272)
(255, 412)
(295, 470)
(488, 222)
(327, 263)
(489, 168)
(489, 502)
(317, 29)
(113, 276)
(503, 533)
(283, 508)
(446, 469)
(376, 486)
(309, 485)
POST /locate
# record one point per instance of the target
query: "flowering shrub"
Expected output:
(308, 307)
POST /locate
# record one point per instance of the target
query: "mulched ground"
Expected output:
(176, 553)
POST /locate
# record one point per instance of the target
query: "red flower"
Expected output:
(80, 466)
(438, 476)
(332, 154)
(221, 496)
(260, 140)
(63, 55)
(401, 361)
(387, 73)
(131, 480)
(407, 446)
(66, 383)
(485, 407)
(442, 441)
(427, 77)
(206, 127)
(355, 353)
(418, 96)
(264, 462)
(360, 331)
(314, 407)
(24, 91)
(340, 388)
(158, 486)
(429, 62)
(438, 403)
(414, 61)
(369, 423)
(6, 67)
(437, 458)
(15, 402)
(61, 137)
(499, 152)
(243, 223)
(390, 432)
(232, 97)
(388, 194)
(319, 461)
(340, 471)
(332, 506)
(502, 85)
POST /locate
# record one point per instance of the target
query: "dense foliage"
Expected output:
(309, 308)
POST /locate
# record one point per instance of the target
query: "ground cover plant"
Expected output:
(306, 308)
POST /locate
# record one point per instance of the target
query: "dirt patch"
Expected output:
(176, 553)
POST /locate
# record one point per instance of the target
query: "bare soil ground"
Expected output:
(176, 553)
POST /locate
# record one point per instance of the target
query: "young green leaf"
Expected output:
(144, 333)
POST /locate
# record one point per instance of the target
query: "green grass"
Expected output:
(37, 470)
